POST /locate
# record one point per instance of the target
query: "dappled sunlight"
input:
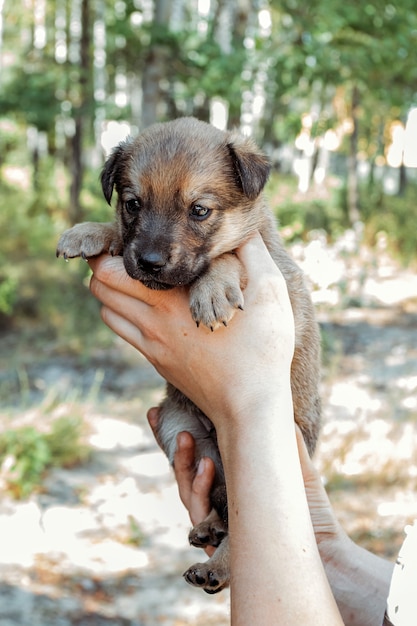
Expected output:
(114, 527)
(110, 520)
(347, 269)
(17, 176)
(109, 433)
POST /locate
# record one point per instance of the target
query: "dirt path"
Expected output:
(105, 543)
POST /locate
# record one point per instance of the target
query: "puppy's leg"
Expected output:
(215, 296)
(213, 575)
(179, 414)
(210, 532)
(90, 239)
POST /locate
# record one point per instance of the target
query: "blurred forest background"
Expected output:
(329, 90)
(326, 89)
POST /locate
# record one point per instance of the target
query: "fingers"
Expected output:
(255, 256)
(307, 466)
(194, 486)
(126, 329)
(110, 271)
(322, 515)
(153, 415)
(117, 291)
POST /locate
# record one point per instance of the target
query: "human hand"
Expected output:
(194, 487)
(256, 348)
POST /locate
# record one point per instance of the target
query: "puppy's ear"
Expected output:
(251, 165)
(111, 169)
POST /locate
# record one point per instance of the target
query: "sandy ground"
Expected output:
(106, 542)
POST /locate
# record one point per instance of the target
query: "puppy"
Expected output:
(188, 195)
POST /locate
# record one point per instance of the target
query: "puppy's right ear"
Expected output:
(110, 171)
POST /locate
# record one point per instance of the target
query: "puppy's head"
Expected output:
(187, 193)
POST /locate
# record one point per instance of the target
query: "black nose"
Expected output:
(151, 262)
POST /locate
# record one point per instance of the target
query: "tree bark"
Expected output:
(352, 178)
(82, 115)
(155, 68)
(402, 183)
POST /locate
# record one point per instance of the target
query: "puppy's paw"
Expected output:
(210, 532)
(217, 294)
(88, 240)
(214, 574)
(214, 304)
(209, 579)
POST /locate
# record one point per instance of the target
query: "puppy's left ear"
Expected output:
(251, 165)
(110, 170)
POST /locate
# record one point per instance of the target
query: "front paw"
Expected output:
(215, 304)
(89, 240)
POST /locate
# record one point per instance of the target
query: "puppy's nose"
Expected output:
(151, 262)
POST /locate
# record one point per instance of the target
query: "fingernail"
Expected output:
(201, 467)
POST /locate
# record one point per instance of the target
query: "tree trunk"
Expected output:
(402, 183)
(82, 115)
(77, 172)
(155, 68)
(352, 178)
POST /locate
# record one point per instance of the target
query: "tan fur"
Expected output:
(188, 195)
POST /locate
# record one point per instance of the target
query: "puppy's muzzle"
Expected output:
(151, 262)
(149, 266)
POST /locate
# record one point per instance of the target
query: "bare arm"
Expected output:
(359, 579)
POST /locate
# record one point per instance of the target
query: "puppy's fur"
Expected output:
(188, 195)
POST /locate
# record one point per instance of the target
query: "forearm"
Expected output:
(277, 574)
(360, 581)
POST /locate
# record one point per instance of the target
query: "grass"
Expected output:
(26, 453)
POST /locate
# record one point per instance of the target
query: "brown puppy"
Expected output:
(188, 195)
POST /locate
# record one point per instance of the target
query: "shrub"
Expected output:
(26, 453)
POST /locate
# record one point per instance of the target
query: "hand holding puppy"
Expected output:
(141, 315)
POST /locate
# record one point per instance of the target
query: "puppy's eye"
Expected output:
(133, 206)
(200, 212)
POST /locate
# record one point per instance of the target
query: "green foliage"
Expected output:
(36, 289)
(312, 57)
(8, 294)
(391, 216)
(31, 96)
(26, 453)
(388, 215)
(298, 215)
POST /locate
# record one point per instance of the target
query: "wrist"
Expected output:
(260, 412)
